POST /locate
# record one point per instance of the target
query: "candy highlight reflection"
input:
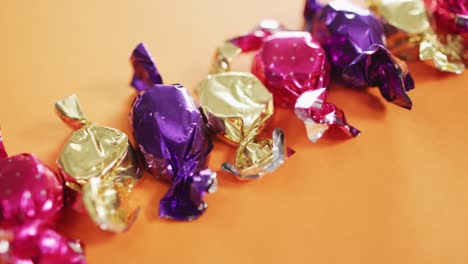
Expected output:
(292, 65)
(172, 139)
(100, 166)
(410, 36)
(237, 106)
(31, 198)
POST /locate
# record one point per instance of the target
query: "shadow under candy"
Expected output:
(424, 72)
(80, 226)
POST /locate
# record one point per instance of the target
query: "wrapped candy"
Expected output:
(236, 106)
(294, 68)
(410, 36)
(451, 18)
(353, 39)
(31, 197)
(172, 139)
(100, 168)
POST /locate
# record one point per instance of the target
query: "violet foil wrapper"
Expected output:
(354, 41)
(171, 138)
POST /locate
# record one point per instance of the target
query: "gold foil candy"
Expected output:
(236, 106)
(410, 35)
(101, 165)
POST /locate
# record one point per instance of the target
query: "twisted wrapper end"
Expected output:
(69, 110)
(3, 153)
(319, 116)
(312, 7)
(445, 57)
(245, 43)
(223, 57)
(99, 166)
(102, 200)
(279, 154)
(146, 73)
(377, 67)
(184, 200)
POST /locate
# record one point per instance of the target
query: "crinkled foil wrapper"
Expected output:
(236, 107)
(100, 167)
(292, 65)
(172, 139)
(451, 17)
(31, 198)
(354, 41)
(410, 36)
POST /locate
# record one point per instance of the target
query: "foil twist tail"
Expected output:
(248, 42)
(277, 157)
(318, 116)
(69, 110)
(102, 201)
(146, 74)
(3, 153)
(446, 57)
(312, 7)
(377, 67)
(184, 200)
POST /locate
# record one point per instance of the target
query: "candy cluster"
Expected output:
(292, 69)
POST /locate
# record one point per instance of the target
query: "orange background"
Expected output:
(397, 194)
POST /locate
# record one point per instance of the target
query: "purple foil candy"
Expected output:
(354, 41)
(172, 139)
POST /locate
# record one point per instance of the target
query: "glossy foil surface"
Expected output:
(410, 36)
(451, 15)
(354, 41)
(172, 139)
(100, 165)
(31, 198)
(289, 64)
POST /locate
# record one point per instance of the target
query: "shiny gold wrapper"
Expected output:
(236, 106)
(410, 36)
(224, 56)
(100, 164)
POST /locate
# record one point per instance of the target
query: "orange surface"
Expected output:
(397, 194)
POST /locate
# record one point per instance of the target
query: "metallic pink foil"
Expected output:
(31, 197)
(294, 67)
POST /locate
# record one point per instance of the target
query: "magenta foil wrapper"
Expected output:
(31, 198)
(294, 68)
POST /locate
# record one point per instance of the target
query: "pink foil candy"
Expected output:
(33, 243)
(31, 196)
(451, 15)
(295, 69)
